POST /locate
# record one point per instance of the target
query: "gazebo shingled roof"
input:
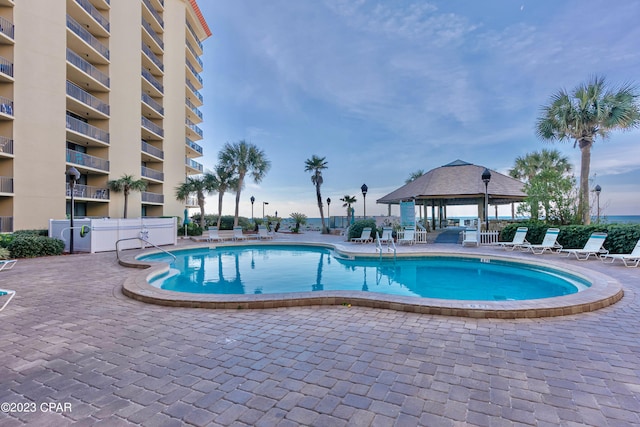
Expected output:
(458, 183)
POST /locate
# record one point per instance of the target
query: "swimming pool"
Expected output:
(276, 269)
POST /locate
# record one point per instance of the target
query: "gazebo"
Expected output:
(455, 184)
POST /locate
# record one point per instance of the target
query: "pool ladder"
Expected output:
(390, 246)
(144, 237)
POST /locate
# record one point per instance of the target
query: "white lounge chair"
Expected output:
(629, 260)
(5, 292)
(408, 236)
(213, 235)
(387, 235)
(470, 237)
(518, 240)
(263, 233)
(7, 264)
(549, 243)
(237, 234)
(365, 237)
(592, 247)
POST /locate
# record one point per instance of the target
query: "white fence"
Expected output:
(104, 233)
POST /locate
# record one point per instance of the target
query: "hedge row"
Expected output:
(30, 244)
(621, 238)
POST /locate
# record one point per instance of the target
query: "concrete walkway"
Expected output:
(74, 350)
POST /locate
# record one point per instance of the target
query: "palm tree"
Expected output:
(348, 200)
(242, 158)
(592, 109)
(316, 164)
(223, 180)
(526, 168)
(414, 175)
(200, 186)
(126, 184)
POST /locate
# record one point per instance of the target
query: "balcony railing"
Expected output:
(148, 124)
(193, 127)
(193, 145)
(79, 126)
(149, 197)
(152, 56)
(91, 10)
(193, 108)
(6, 105)
(6, 27)
(152, 173)
(6, 66)
(194, 90)
(154, 151)
(84, 159)
(193, 164)
(88, 192)
(6, 184)
(6, 224)
(6, 145)
(154, 12)
(195, 36)
(155, 83)
(193, 70)
(152, 33)
(152, 103)
(86, 98)
(85, 35)
(195, 54)
(85, 66)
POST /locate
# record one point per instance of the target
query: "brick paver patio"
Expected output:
(74, 350)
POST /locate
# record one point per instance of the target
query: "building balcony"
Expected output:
(154, 132)
(6, 70)
(88, 192)
(193, 56)
(153, 39)
(85, 74)
(191, 202)
(87, 161)
(151, 108)
(151, 12)
(7, 3)
(193, 95)
(193, 149)
(193, 76)
(83, 103)
(81, 41)
(150, 60)
(152, 198)
(6, 31)
(6, 224)
(193, 131)
(193, 167)
(158, 89)
(84, 133)
(152, 151)
(6, 146)
(90, 17)
(6, 108)
(6, 185)
(196, 45)
(193, 113)
(151, 174)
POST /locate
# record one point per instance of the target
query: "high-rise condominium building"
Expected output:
(110, 87)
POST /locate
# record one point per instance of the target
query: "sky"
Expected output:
(382, 89)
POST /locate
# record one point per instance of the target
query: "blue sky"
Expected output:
(384, 88)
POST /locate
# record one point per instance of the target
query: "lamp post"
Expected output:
(598, 189)
(328, 206)
(74, 176)
(364, 190)
(486, 177)
(263, 203)
(253, 199)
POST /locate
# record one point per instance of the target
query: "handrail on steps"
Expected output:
(143, 237)
(390, 244)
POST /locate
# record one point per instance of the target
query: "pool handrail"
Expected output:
(141, 238)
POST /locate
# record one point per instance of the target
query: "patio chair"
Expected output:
(629, 260)
(470, 237)
(549, 243)
(365, 237)
(213, 235)
(5, 292)
(263, 233)
(237, 234)
(387, 235)
(592, 247)
(7, 264)
(409, 236)
(518, 240)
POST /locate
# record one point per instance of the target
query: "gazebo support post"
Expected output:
(433, 214)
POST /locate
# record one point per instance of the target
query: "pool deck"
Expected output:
(71, 338)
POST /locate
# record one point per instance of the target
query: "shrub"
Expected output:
(5, 240)
(356, 228)
(31, 233)
(193, 229)
(4, 253)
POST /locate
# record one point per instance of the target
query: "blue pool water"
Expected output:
(267, 269)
